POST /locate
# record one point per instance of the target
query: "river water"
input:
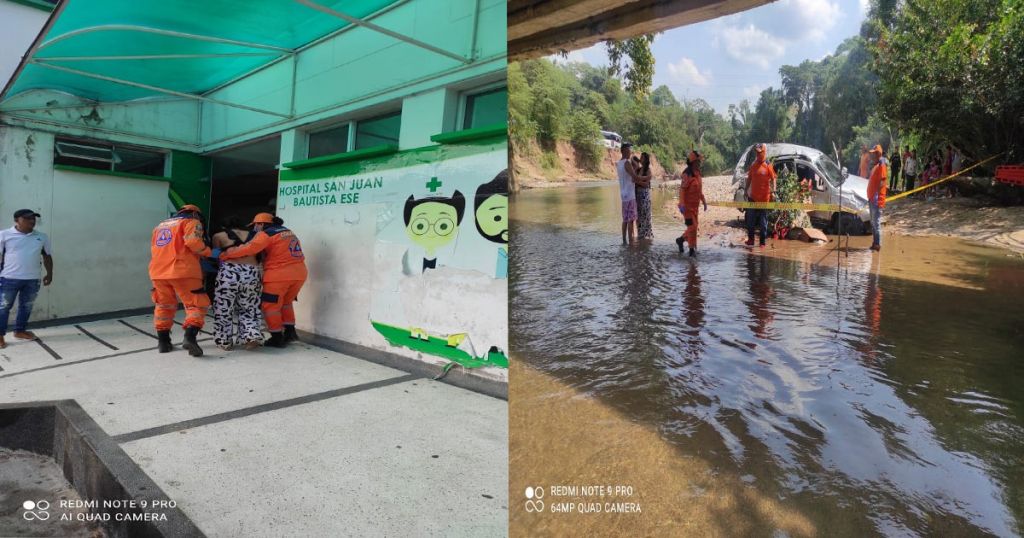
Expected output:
(866, 394)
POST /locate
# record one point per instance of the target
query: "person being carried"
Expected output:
(628, 179)
(284, 273)
(21, 247)
(876, 195)
(175, 250)
(691, 194)
(239, 285)
(760, 185)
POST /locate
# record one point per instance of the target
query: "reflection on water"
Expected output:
(866, 400)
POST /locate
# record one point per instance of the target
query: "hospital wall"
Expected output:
(369, 283)
(99, 226)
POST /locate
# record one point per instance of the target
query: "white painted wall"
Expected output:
(363, 266)
(19, 26)
(99, 227)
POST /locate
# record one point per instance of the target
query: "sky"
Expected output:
(728, 59)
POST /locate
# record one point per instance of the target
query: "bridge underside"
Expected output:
(543, 27)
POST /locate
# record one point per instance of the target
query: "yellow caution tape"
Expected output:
(943, 180)
(784, 205)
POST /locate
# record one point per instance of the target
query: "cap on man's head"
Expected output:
(626, 145)
(262, 218)
(25, 213)
(877, 149)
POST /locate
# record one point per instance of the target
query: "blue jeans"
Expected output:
(757, 218)
(25, 291)
(876, 223)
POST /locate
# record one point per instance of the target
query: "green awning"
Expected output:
(156, 48)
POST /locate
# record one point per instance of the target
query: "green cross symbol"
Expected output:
(433, 184)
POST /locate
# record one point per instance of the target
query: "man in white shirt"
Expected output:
(909, 170)
(20, 249)
(627, 188)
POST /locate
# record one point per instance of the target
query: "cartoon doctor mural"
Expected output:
(491, 212)
(431, 223)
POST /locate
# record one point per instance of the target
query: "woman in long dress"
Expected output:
(645, 230)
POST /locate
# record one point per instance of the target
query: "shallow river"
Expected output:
(865, 394)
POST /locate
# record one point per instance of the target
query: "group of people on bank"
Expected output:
(260, 267)
(760, 187)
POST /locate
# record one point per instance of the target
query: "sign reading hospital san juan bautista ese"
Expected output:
(328, 192)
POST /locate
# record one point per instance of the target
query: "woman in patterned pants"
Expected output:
(644, 230)
(239, 285)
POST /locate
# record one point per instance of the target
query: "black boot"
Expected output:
(190, 342)
(276, 340)
(680, 241)
(163, 339)
(693, 252)
(289, 334)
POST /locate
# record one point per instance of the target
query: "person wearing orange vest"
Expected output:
(177, 245)
(865, 161)
(760, 185)
(876, 195)
(691, 195)
(284, 272)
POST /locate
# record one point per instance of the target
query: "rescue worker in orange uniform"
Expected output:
(865, 161)
(284, 272)
(760, 186)
(177, 245)
(691, 195)
(876, 195)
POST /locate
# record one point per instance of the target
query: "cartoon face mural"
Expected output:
(491, 212)
(434, 222)
(491, 209)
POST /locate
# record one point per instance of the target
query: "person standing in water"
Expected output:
(691, 194)
(644, 229)
(627, 189)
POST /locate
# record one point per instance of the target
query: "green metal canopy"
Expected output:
(115, 51)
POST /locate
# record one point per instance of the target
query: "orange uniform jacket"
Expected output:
(877, 183)
(176, 248)
(283, 259)
(690, 191)
(865, 162)
(761, 175)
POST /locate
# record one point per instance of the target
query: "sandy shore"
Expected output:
(974, 219)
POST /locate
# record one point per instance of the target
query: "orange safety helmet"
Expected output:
(189, 207)
(877, 149)
(262, 218)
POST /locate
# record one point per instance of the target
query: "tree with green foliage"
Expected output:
(633, 60)
(585, 135)
(953, 70)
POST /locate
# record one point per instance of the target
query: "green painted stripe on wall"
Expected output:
(466, 135)
(426, 154)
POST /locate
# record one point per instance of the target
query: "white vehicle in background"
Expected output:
(829, 185)
(611, 140)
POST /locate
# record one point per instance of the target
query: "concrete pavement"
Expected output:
(300, 441)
